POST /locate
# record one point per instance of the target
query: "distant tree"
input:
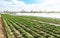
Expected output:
(40, 11)
(31, 11)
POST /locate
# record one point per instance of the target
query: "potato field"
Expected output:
(30, 27)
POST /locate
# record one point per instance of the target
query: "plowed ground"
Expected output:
(2, 31)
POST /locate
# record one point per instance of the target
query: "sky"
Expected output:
(28, 5)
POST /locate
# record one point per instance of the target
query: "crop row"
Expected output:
(26, 27)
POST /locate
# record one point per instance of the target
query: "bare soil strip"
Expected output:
(2, 32)
(48, 23)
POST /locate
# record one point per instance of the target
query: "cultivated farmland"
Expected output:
(30, 27)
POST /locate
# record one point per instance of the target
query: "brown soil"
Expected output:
(2, 32)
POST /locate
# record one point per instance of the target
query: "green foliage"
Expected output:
(30, 27)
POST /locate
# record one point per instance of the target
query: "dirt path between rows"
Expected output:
(2, 32)
(44, 22)
(48, 23)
